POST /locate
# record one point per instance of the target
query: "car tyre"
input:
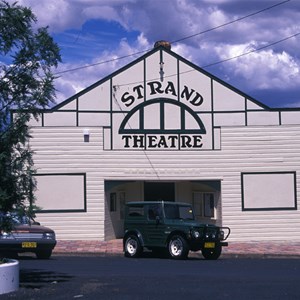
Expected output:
(212, 254)
(132, 246)
(178, 247)
(43, 254)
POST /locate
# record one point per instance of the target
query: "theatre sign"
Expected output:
(163, 135)
(162, 105)
(159, 102)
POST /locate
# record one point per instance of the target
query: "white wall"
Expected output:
(243, 149)
(62, 150)
(259, 149)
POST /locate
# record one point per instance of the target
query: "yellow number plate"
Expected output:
(209, 245)
(29, 245)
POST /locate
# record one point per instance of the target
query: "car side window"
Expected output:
(171, 211)
(154, 211)
(136, 211)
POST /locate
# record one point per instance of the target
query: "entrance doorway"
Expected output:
(205, 196)
(157, 191)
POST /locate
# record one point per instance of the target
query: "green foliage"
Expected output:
(4, 260)
(26, 87)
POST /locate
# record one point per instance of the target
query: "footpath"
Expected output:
(236, 249)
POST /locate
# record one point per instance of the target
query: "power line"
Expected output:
(176, 41)
(224, 60)
(101, 62)
(252, 51)
(231, 22)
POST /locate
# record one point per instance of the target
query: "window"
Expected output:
(69, 187)
(154, 211)
(198, 204)
(122, 204)
(204, 205)
(113, 202)
(209, 205)
(136, 211)
(269, 191)
(184, 212)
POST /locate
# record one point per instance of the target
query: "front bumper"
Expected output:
(26, 245)
(210, 238)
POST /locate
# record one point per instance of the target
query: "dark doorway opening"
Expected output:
(158, 191)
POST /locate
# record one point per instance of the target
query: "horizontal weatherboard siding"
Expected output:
(243, 149)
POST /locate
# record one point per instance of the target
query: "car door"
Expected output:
(154, 230)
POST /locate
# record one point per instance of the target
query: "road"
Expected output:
(116, 277)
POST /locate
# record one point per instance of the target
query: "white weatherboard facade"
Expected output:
(163, 129)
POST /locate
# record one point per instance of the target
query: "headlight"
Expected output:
(210, 235)
(195, 234)
(49, 236)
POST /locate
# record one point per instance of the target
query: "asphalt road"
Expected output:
(116, 277)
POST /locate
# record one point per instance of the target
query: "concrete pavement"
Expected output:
(252, 248)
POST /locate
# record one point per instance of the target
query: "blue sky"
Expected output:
(93, 31)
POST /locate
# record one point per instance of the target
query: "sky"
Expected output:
(98, 37)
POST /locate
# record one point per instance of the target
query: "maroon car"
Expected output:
(26, 236)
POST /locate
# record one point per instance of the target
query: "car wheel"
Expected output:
(43, 254)
(133, 246)
(178, 247)
(212, 254)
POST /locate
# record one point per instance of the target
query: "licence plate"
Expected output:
(209, 245)
(29, 244)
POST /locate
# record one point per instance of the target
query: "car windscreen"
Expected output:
(15, 219)
(178, 212)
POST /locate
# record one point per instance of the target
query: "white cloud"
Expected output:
(73, 82)
(274, 68)
(61, 15)
(100, 12)
(264, 69)
(57, 14)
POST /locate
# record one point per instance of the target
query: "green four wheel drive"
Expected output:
(171, 226)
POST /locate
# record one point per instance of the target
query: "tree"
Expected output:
(27, 58)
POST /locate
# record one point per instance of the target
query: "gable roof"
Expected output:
(178, 57)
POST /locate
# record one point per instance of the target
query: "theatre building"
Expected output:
(161, 128)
